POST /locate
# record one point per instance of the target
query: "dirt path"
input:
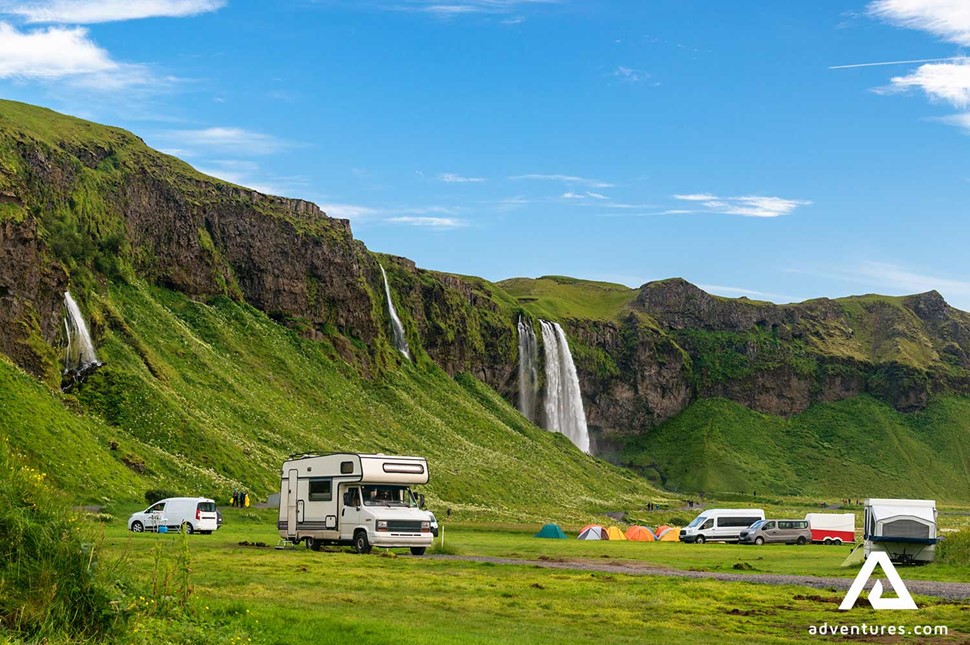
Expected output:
(946, 590)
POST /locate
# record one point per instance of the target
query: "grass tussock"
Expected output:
(52, 581)
(955, 548)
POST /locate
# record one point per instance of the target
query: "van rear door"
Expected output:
(205, 516)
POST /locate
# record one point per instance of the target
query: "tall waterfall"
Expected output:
(400, 342)
(564, 403)
(80, 356)
(528, 365)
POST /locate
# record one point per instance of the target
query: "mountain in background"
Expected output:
(238, 327)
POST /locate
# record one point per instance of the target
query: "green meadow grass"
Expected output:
(247, 594)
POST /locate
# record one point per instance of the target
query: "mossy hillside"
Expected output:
(560, 297)
(216, 395)
(856, 448)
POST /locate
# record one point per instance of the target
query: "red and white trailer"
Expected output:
(832, 528)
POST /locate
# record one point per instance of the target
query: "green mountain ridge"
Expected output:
(238, 327)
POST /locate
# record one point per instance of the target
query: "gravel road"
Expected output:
(957, 591)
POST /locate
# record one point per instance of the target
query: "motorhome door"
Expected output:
(350, 513)
(291, 503)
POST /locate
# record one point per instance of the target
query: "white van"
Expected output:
(720, 525)
(195, 514)
(354, 499)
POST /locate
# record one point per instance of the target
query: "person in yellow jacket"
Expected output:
(246, 498)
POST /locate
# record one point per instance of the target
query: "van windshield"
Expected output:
(757, 525)
(387, 495)
(697, 521)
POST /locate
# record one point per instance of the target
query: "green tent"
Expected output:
(551, 531)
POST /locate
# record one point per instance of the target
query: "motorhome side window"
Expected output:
(346, 468)
(321, 490)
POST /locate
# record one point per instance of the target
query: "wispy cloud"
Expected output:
(568, 179)
(896, 62)
(895, 279)
(585, 196)
(452, 178)
(630, 75)
(430, 222)
(78, 12)
(740, 291)
(354, 212)
(746, 206)
(946, 19)
(226, 139)
(465, 7)
(248, 173)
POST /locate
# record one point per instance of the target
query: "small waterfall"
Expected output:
(528, 375)
(400, 342)
(80, 359)
(564, 411)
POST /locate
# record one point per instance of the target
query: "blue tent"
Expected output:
(551, 531)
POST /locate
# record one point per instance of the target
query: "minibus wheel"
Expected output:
(700, 539)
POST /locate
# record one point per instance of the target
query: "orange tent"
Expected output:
(670, 534)
(640, 534)
(661, 529)
(615, 533)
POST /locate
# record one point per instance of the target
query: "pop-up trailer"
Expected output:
(354, 499)
(903, 528)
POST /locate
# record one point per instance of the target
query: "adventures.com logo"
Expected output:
(902, 601)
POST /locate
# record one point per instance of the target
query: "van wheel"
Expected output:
(361, 545)
(759, 540)
(800, 541)
(313, 544)
(206, 532)
(700, 539)
(418, 550)
(137, 527)
(188, 528)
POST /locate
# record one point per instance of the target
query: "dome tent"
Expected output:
(640, 534)
(594, 533)
(551, 531)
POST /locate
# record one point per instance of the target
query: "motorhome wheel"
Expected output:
(361, 545)
(417, 550)
(313, 544)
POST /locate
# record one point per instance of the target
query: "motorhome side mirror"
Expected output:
(421, 500)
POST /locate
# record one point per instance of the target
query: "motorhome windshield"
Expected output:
(697, 522)
(385, 495)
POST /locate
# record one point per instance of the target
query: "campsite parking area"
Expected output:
(244, 593)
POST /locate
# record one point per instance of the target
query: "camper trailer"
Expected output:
(832, 528)
(354, 499)
(903, 528)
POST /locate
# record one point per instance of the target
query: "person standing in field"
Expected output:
(245, 499)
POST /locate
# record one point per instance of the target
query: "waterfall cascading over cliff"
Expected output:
(563, 408)
(400, 341)
(79, 356)
(528, 370)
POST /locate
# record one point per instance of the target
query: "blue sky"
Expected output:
(748, 147)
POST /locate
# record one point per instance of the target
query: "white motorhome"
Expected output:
(903, 528)
(720, 525)
(832, 528)
(354, 499)
(194, 514)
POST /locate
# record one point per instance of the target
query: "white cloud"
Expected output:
(51, 53)
(96, 11)
(740, 291)
(630, 75)
(568, 179)
(432, 222)
(948, 82)
(746, 206)
(452, 178)
(229, 139)
(250, 175)
(584, 196)
(946, 19)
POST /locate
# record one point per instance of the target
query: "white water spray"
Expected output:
(528, 375)
(564, 411)
(80, 355)
(400, 341)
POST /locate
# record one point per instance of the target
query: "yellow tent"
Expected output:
(671, 534)
(615, 533)
(640, 534)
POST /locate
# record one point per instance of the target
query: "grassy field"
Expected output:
(243, 594)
